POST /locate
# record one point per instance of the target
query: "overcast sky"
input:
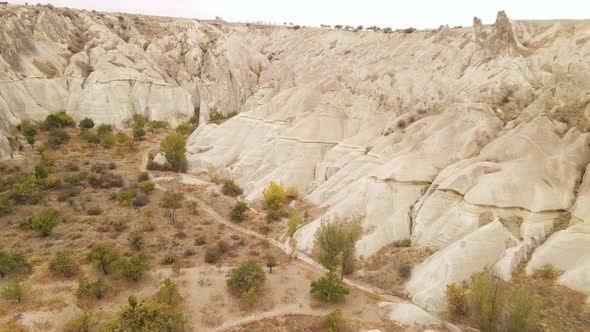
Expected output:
(392, 13)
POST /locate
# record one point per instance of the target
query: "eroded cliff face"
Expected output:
(471, 140)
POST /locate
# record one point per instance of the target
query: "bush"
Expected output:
(168, 293)
(547, 271)
(486, 300)
(405, 270)
(456, 300)
(121, 138)
(405, 243)
(94, 210)
(155, 125)
(63, 264)
(200, 239)
(246, 276)
(92, 289)
(86, 123)
(136, 316)
(147, 186)
(104, 129)
(274, 215)
(135, 267)
(174, 148)
(184, 129)
(230, 188)
(108, 141)
(41, 171)
(172, 201)
(212, 254)
(192, 207)
(329, 287)
(237, 213)
(103, 257)
(334, 321)
(6, 204)
(273, 196)
(523, 312)
(143, 176)
(58, 120)
(23, 189)
(80, 323)
(216, 117)
(293, 222)
(138, 134)
(14, 291)
(270, 261)
(249, 298)
(14, 264)
(57, 137)
(170, 258)
(141, 199)
(136, 242)
(45, 222)
(126, 196)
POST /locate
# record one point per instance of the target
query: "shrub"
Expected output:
(121, 138)
(135, 267)
(216, 117)
(45, 222)
(6, 204)
(86, 123)
(94, 210)
(329, 287)
(456, 300)
(103, 257)
(63, 264)
(249, 298)
(264, 229)
(58, 120)
(222, 246)
(41, 171)
(104, 129)
(212, 254)
(230, 188)
(405, 243)
(184, 129)
(139, 316)
(136, 242)
(274, 215)
(155, 125)
(246, 276)
(192, 207)
(486, 300)
(92, 289)
(170, 258)
(172, 201)
(334, 321)
(80, 323)
(523, 312)
(23, 189)
(14, 264)
(293, 222)
(273, 196)
(138, 134)
(547, 271)
(57, 137)
(125, 196)
(141, 199)
(404, 270)
(168, 293)
(237, 213)
(147, 186)
(200, 239)
(108, 141)
(143, 176)
(174, 148)
(14, 291)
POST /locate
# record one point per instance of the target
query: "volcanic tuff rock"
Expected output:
(471, 140)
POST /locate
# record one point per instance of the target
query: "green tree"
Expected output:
(63, 264)
(184, 129)
(523, 315)
(273, 194)
(249, 297)
(329, 287)
(92, 289)
(135, 267)
(293, 222)
(103, 257)
(138, 134)
(80, 323)
(147, 186)
(31, 140)
(247, 275)
(15, 291)
(335, 244)
(41, 171)
(486, 299)
(142, 317)
(57, 137)
(174, 148)
(14, 264)
(172, 201)
(270, 261)
(108, 141)
(104, 129)
(456, 300)
(86, 123)
(125, 196)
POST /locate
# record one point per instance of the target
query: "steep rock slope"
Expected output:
(471, 140)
